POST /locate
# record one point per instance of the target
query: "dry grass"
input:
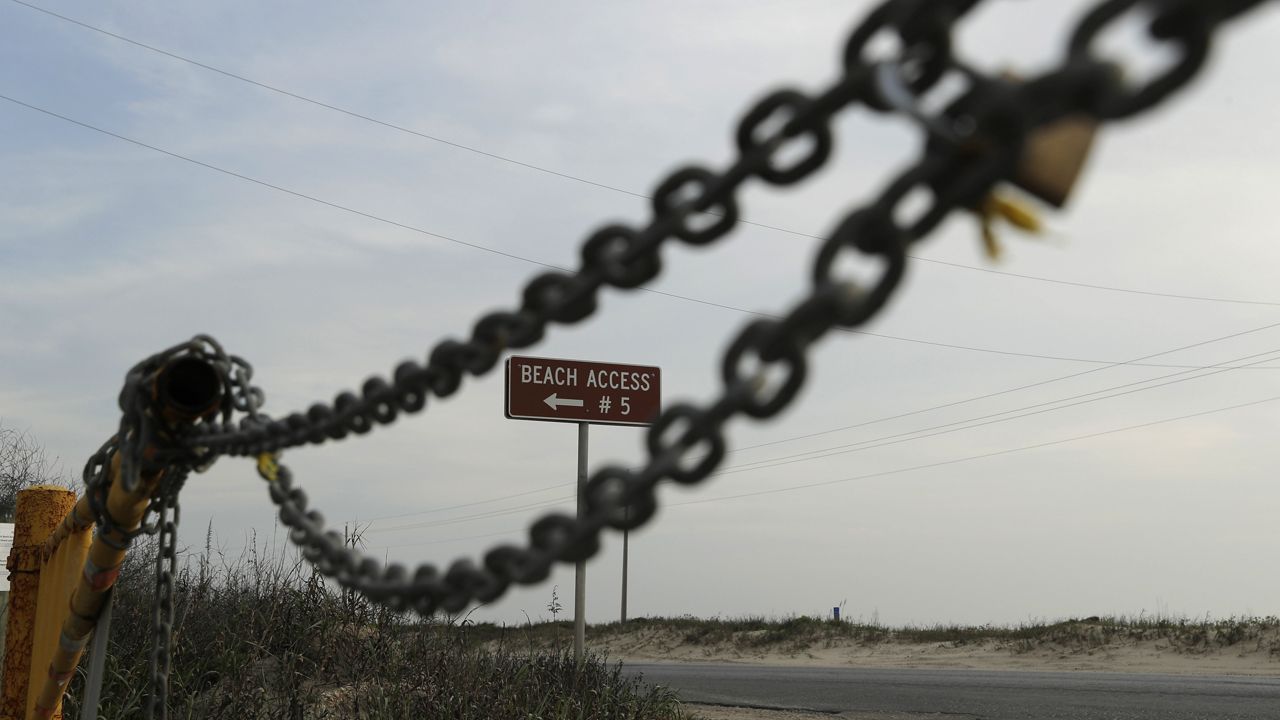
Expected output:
(799, 633)
(264, 637)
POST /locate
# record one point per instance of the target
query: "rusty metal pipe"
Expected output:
(186, 390)
(183, 391)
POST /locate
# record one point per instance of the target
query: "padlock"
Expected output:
(1053, 156)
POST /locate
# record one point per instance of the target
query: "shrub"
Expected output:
(266, 637)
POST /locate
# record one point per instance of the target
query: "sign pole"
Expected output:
(580, 570)
(584, 393)
(625, 533)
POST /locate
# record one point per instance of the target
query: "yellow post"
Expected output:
(39, 510)
(186, 389)
(98, 574)
(63, 555)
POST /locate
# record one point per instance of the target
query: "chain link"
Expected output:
(972, 145)
(149, 446)
(957, 171)
(162, 606)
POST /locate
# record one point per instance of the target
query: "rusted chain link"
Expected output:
(162, 604)
(149, 446)
(977, 142)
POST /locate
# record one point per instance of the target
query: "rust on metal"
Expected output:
(38, 512)
(79, 519)
(86, 568)
(96, 574)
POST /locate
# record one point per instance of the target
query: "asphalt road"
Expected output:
(961, 694)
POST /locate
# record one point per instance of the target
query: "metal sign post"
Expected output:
(584, 393)
(580, 568)
(625, 538)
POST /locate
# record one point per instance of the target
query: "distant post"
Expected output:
(625, 537)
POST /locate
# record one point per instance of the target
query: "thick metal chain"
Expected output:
(162, 605)
(614, 255)
(624, 257)
(970, 147)
(987, 128)
(148, 446)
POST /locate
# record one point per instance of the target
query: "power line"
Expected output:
(616, 189)
(950, 427)
(536, 262)
(278, 188)
(1133, 362)
(478, 516)
(913, 468)
(521, 258)
(328, 106)
(947, 428)
(887, 418)
(464, 505)
(444, 540)
(986, 396)
(873, 443)
(578, 178)
(1093, 286)
(969, 458)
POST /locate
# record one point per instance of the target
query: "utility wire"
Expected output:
(886, 473)
(950, 427)
(478, 516)
(1093, 286)
(464, 505)
(920, 434)
(578, 178)
(1133, 362)
(615, 189)
(521, 258)
(279, 188)
(913, 468)
(328, 106)
(445, 540)
(955, 403)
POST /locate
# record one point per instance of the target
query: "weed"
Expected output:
(554, 607)
(266, 637)
(798, 633)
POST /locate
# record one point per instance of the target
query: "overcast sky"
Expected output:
(110, 251)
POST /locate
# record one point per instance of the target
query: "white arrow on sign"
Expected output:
(554, 402)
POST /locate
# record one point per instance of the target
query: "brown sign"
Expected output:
(577, 391)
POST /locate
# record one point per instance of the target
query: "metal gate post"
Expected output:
(38, 512)
(97, 662)
(580, 574)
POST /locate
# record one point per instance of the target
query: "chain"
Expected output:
(146, 443)
(615, 255)
(625, 257)
(985, 131)
(162, 605)
(970, 147)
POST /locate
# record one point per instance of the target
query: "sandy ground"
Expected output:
(718, 712)
(1253, 657)
(1147, 656)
